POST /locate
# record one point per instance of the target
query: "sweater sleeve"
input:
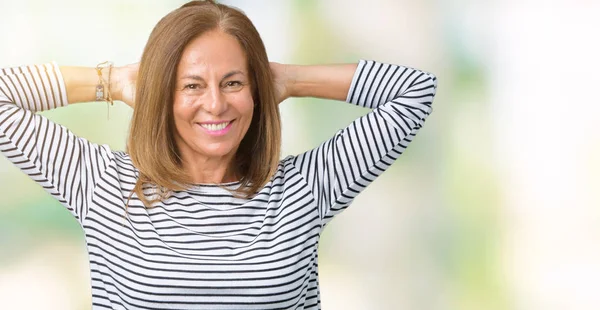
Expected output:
(341, 167)
(66, 166)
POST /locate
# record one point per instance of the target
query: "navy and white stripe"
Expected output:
(204, 248)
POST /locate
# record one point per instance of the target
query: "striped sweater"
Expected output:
(203, 248)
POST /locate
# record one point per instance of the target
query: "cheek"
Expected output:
(245, 106)
(247, 113)
(182, 115)
(183, 111)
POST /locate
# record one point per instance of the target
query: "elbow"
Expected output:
(422, 90)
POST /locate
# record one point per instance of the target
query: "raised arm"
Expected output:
(340, 168)
(66, 166)
(321, 81)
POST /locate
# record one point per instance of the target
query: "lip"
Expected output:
(216, 133)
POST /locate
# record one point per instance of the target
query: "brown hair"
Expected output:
(151, 142)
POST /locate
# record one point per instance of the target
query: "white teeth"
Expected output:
(215, 127)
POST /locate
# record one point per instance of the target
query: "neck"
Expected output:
(210, 170)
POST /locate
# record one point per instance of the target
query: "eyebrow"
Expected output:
(199, 78)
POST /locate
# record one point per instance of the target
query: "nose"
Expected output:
(216, 103)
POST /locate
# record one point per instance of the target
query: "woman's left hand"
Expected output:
(123, 83)
(282, 80)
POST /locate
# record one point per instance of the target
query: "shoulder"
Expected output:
(124, 164)
(286, 164)
(286, 171)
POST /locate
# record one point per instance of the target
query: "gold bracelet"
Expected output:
(102, 90)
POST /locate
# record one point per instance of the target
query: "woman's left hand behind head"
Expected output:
(123, 83)
(282, 81)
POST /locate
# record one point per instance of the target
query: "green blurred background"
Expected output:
(495, 204)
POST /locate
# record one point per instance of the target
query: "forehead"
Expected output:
(214, 51)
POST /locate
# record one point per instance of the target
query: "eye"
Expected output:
(191, 86)
(233, 84)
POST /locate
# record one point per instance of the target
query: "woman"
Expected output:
(200, 213)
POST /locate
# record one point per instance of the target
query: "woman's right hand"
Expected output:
(123, 83)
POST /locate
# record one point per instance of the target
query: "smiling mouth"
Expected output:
(215, 126)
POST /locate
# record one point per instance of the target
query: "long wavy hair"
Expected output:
(151, 144)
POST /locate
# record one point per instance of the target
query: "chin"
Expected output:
(219, 151)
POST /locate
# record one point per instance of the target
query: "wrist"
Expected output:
(116, 84)
(292, 73)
